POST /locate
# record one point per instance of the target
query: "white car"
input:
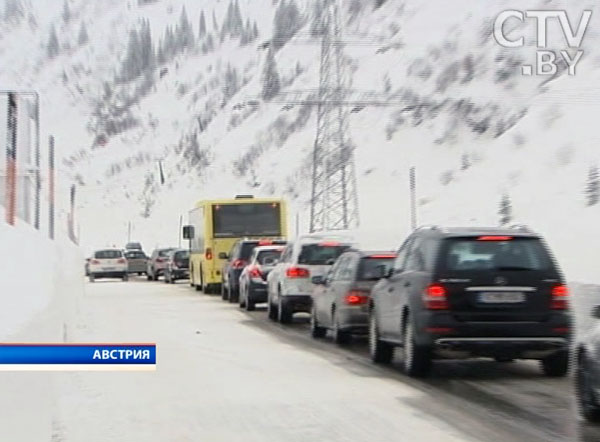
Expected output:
(108, 263)
(289, 285)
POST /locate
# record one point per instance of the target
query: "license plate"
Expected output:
(108, 269)
(501, 297)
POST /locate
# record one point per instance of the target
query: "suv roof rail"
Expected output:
(428, 227)
(521, 227)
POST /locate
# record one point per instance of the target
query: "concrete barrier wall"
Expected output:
(40, 285)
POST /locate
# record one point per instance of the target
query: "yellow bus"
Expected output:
(215, 225)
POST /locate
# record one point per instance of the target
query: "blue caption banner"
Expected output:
(131, 354)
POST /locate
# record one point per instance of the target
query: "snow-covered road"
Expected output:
(226, 375)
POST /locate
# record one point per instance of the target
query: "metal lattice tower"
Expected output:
(334, 199)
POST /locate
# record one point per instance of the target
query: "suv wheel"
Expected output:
(284, 315)
(149, 276)
(154, 275)
(234, 295)
(250, 306)
(241, 299)
(224, 292)
(417, 359)
(316, 331)
(271, 310)
(92, 279)
(588, 406)
(125, 277)
(340, 337)
(381, 352)
(556, 365)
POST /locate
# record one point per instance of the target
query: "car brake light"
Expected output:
(238, 264)
(95, 261)
(434, 297)
(494, 238)
(560, 295)
(329, 244)
(265, 242)
(356, 297)
(382, 256)
(209, 254)
(297, 272)
(159, 260)
(255, 273)
(122, 261)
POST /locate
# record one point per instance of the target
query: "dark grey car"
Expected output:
(340, 299)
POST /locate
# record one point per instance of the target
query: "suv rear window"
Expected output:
(514, 254)
(246, 250)
(268, 254)
(134, 255)
(368, 267)
(318, 254)
(184, 254)
(108, 254)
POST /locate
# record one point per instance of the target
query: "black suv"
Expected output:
(471, 292)
(237, 259)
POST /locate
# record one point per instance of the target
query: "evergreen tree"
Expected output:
(13, 11)
(83, 37)
(226, 26)
(592, 190)
(318, 25)
(185, 33)
(270, 78)
(215, 23)
(209, 44)
(287, 22)
(255, 31)
(52, 48)
(247, 34)
(505, 211)
(237, 22)
(202, 27)
(465, 162)
(231, 82)
(147, 55)
(66, 14)
(132, 64)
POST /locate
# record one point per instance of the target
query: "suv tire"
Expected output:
(316, 331)
(271, 310)
(556, 365)
(586, 400)
(284, 314)
(340, 337)
(416, 359)
(381, 352)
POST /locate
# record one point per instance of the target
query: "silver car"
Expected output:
(289, 285)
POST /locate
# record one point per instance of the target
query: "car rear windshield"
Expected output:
(486, 253)
(319, 254)
(268, 255)
(246, 250)
(368, 269)
(164, 252)
(108, 254)
(184, 254)
(135, 255)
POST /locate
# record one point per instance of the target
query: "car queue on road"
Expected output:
(445, 293)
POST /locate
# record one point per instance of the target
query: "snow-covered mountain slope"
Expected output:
(473, 126)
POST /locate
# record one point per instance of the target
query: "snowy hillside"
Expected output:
(474, 127)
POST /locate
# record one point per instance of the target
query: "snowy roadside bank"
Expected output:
(39, 289)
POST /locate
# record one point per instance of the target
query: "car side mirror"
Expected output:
(223, 255)
(596, 312)
(318, 280)
(188, 232)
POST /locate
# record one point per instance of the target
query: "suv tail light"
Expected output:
(255, 273)
(208, 253)
(560, 297)
(356, 297)
(160, 260)
(434, 297)
(94, 261)
(122, 261)
(238, 264)
(297, 272)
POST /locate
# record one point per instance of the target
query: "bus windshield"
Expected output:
(256, 219)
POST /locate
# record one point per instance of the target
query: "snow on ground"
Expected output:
(541, 162)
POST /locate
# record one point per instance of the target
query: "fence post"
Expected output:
(413, 204)
(11, 160)
(51, 187)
